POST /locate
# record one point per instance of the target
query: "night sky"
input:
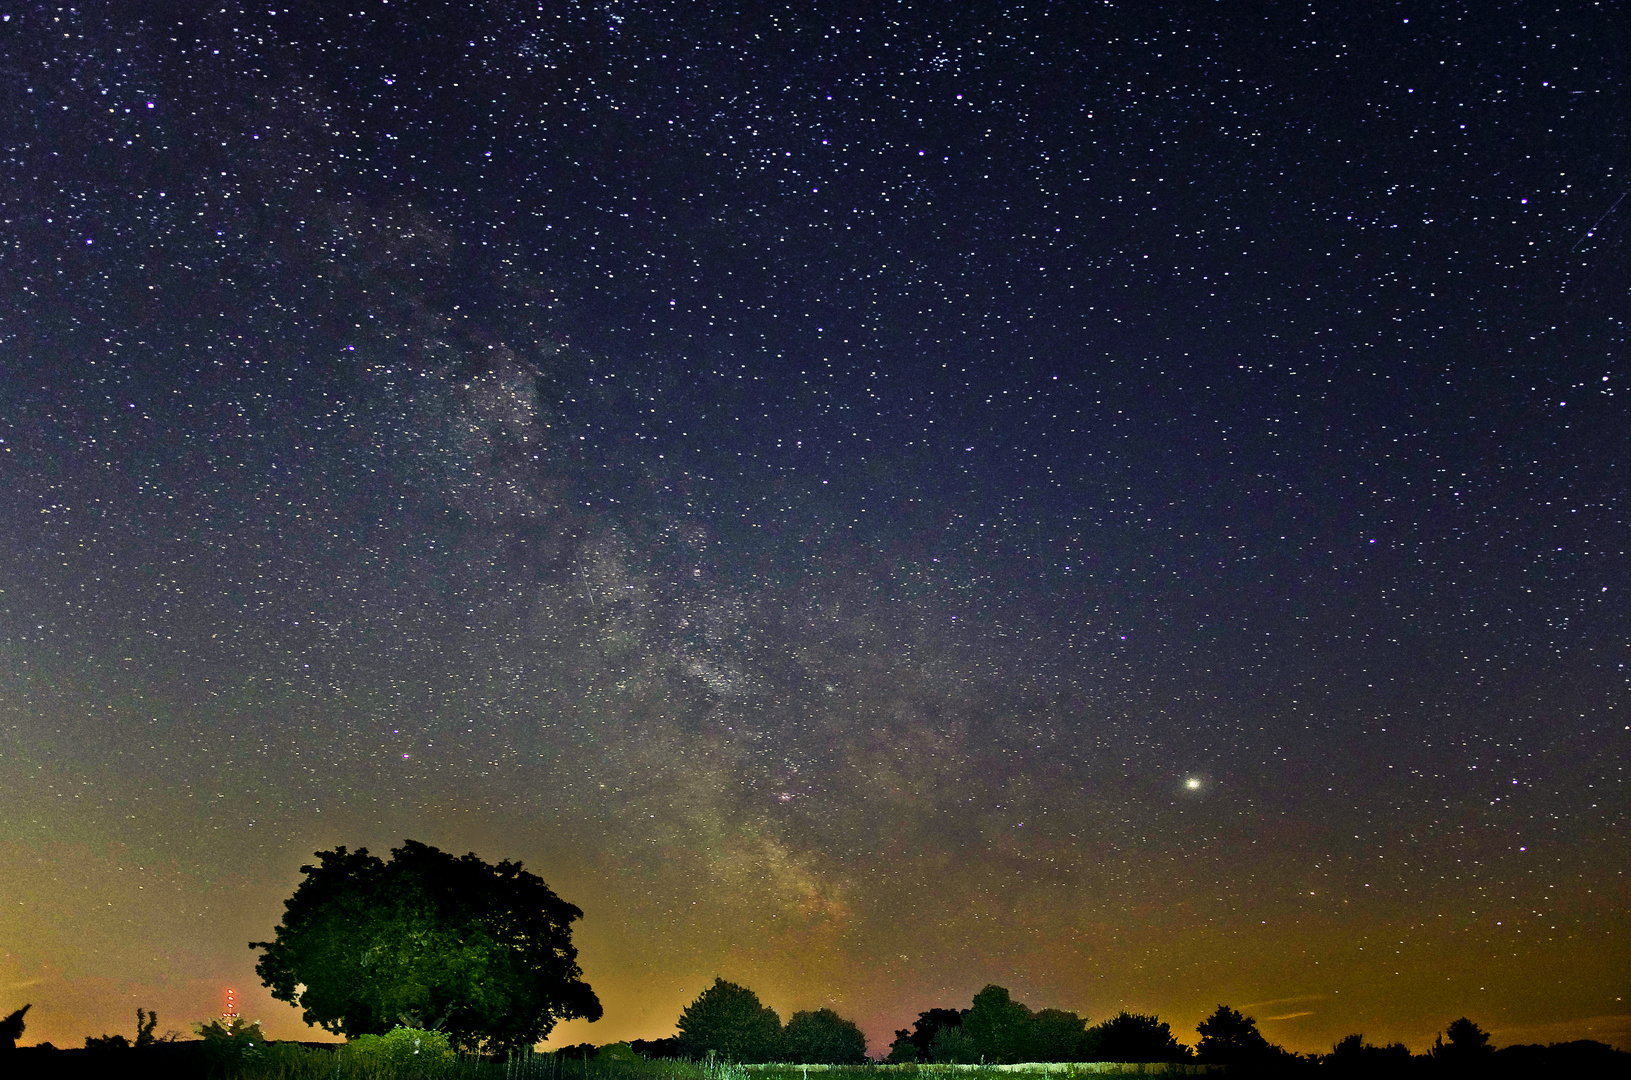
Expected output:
(1125, 501)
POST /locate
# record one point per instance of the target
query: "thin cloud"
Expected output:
(1284, 1001)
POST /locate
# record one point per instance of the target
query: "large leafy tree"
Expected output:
(1230, 1038)
(999, 1026)
(481, 952)
(1058, 1035)
(1134, 1037)
(730, 1021)
(823, 1038)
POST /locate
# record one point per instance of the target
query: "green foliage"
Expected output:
(953, 1046)
(1133, 1037)
(729, 1021)
(618, 1051)
(481, 952)
(1057, 1035)
(399, 1049)
(999, 1026)
(228, 1046)
(823, 1038)
(901, 1051)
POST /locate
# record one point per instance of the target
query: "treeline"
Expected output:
(729, 1022)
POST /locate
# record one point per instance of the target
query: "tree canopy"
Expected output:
(1230, 1038)
(1133, 1037)
(999, 1026)
(481, 952)
(823, 1038)
(917, 1044)
(1467, 1051)
(730, 1021)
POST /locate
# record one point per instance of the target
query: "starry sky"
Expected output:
(1123, 501)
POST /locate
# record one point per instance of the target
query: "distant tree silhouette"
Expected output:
(1583, 1057)
(1352, 1056)
(917, 1044)
(998, 1026)
(11, 1028)
(106, 1042)
(1229, 1038)
(730, 1021)
(1468, 1050)
(1133, 1037)
(480, 952)
(653, 1049)
(1057, 1035)
(823, 1038)
(145, 1023)
(584, 1051)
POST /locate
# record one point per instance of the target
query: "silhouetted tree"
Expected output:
(145, 1023)
(917, 1044)
(823, 1038)
(1353, 1056)
(481, 952)
(106, 1042)
(585, 1051)
(999, 1026)
(732, 1022)
(11, 1028)
(1468, 1050)
(1057, 1035)
(652, 1049)
(1229, 1038)
(1134, 1037)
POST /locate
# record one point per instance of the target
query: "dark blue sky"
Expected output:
(774, 461)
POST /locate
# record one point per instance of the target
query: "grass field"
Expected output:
(290, 1061)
